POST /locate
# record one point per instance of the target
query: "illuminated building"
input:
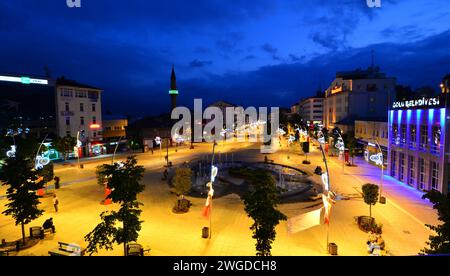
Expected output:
(79, 110)
(369, 133)
(357, 94)
(114, 131)
(311, 110)
(28, 102)
(419, 143)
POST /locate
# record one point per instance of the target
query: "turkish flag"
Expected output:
(107, 200)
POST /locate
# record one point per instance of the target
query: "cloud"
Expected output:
(267, 47)
(248, 57)
(198, 63)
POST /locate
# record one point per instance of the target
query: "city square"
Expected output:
(240, 129)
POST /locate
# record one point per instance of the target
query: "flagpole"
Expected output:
(329, 188)
(210, 201)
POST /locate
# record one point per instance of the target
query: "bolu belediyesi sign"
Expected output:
(418, 103)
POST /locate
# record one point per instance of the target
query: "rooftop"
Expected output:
(62, 81)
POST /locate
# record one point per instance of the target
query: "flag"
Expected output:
(208, 204)
(207, 208)
(327, 204)
(304, 221)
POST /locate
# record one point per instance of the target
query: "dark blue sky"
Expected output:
(249, 52)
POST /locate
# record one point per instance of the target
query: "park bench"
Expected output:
(67, 249)
(37, 232)
(135, 249)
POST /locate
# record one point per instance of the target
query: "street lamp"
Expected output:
(115, 150)
(341, 147)
(326, 182)
(379, 160)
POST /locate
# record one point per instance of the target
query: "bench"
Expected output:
(67, 249)
(37, 232)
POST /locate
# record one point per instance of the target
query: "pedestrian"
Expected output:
(56, 182)
(48, 224)
(55, 202)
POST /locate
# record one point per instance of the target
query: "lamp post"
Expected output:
(211, 188)
(328, 188)
(382, 169)
(78, 147)
(115, 150)
(341, 148)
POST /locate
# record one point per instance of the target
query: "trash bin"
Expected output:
(81, 166)
(332, 249)
(382, 200)
(36, 232)
(205, 232)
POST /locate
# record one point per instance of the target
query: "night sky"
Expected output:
(248, 52)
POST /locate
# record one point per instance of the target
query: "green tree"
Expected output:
(370, 195)
(65, 145)
(351, 143)
(47, 173)
(19, 176)
(260, 204)
(440, 243)
(101, 171)
(183, 180)
(124, 180)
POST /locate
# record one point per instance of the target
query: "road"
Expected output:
(168, 234)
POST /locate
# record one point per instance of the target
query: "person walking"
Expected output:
(55, 202)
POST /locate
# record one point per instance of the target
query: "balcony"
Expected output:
(423, 147)
(67, 113)
(412, 145)
(435, 149)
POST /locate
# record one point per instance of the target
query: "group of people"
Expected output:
(375, 244)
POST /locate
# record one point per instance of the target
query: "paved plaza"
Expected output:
(168, 234)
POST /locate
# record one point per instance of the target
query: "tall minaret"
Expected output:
(173, 92)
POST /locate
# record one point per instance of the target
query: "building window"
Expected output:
(94, 120)
(95, 134)
(411, 171)
(93, 107)
(108, 128)
(82, 121)
(401, 171)
(93, 95)
(67, 121)
(436, 142)
(372, 87)
(395, 135)
(65, 92)
(421, 174)
(423, 137)
(403, 134)
(393, 163)
(67, 107)
(118, 128)
(434, 175)
(80, 93)
(68, 133)
(413, 136)
(81, 107)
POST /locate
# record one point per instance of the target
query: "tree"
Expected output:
(65, 145)
(183, 180)
(260, 204)
(47, 173)
(19, 176)
(124, 181)
(440, 243)
(351, 143)
(370, 195)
